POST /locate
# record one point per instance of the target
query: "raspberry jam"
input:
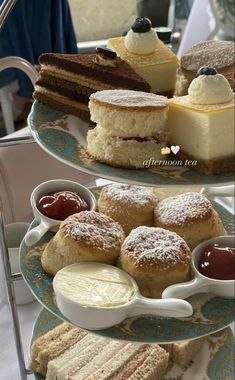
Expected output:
(59, 205)
(217, 262)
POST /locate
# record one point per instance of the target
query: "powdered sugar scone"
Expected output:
(131, 206)
(191, 216)
(130, 127)
(86, 236)
(155, 258)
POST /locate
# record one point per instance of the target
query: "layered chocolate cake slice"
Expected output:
(67, 81)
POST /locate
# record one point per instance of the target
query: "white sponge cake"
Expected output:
(130, 127)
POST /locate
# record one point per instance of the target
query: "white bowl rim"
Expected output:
(203, 244)
(95, 308)
(41, 185)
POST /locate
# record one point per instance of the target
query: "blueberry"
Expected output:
(141, 25)
(206, 70)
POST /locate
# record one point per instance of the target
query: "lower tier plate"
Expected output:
(214, 361)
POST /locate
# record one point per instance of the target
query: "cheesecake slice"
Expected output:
(202, 124)
(148, 56)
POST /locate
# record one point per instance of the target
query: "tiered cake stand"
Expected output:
(64, 137)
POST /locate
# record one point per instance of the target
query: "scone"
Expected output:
(131, 206)
(218, 54)
(191, 216)
(202, 123)
(87, 236)
(130, 127)
(155, 258)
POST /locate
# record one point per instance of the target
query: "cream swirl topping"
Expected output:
(210, 89)
(141, 43)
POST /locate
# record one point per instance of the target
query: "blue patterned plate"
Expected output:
(64, 137)
(211, 313)
(214, 361)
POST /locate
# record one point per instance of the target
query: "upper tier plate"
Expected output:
(64, 137)
(214, 361)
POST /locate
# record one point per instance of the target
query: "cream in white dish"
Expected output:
(95, 285)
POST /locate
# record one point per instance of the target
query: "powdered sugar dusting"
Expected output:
(183, 209)
(98, 230)
(129, 194)
(129, 98)
(152, 245)
(217, 54)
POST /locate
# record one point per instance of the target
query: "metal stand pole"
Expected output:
(10, 278)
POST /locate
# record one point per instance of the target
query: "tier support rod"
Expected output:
(10, 278)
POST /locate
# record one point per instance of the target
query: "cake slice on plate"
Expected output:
(148, 56)
(214, 53)
(202, 123)
(67, 81)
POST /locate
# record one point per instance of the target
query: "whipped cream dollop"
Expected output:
(210, 89)
(141, 43)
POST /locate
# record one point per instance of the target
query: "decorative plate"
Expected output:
(211, 313)
(214, 361)
(64, 137)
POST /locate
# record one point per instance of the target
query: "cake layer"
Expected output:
(158, 68)
(121, 75)
(182, 102)
(129, 121)
(160, 56)
(204, 136)
(65, 88)
(125, 153)
(161, 78)
(61, 103)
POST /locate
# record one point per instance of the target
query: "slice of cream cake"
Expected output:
(67, 81)
(148, 56)
(202, 123)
